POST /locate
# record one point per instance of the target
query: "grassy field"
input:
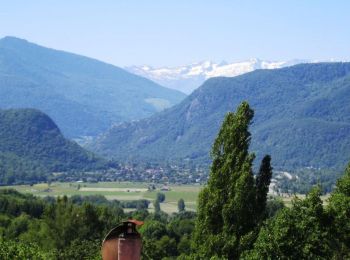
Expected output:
(126, 191)
(117, 190)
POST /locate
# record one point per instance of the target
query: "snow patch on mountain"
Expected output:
(188, 77)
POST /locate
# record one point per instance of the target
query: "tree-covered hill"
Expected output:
(302, 119)
(32, 146)
(82, 95)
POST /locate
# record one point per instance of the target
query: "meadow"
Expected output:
(122, 191)
(125, 191)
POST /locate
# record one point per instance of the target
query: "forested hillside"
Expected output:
(32, 146)
(302, 119)
(82, 95)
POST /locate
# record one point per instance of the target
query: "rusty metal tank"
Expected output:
(123, 242)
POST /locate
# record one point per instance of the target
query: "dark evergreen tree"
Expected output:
(262, 182)
(160, 197)
(181, 205)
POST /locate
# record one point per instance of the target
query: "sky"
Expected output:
(176, 32)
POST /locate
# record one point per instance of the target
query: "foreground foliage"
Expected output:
(73, 228)
(232, 205)
(232, 208)
(308, 230)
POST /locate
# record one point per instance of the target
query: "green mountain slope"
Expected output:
(82, 95)
(32, 146)
(302, 118)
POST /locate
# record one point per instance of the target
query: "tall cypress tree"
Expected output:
(262, 181)
(181, 205)
(226, 206)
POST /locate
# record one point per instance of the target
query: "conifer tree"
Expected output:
(262, 182)
(226, 206)
(181, 205)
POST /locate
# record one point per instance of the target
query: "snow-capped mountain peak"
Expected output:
(188, 77)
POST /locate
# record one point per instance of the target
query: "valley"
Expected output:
(121, 191)
(130, 191)
(82, 95)
(174, 130)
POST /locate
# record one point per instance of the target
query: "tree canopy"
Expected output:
(227, 206)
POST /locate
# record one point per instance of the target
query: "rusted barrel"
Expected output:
(123, 242)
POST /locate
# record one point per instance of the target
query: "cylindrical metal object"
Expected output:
(123, 242)
(129, 248)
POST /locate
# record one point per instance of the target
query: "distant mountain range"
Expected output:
(32, 147)
(82, 95)
(302, 118)
(188, 77)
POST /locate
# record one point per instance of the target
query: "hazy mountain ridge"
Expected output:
(83, 95)
(32, 147)
(188, 77)
(302, 119)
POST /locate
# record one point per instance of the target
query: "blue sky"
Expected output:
(168, 33)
